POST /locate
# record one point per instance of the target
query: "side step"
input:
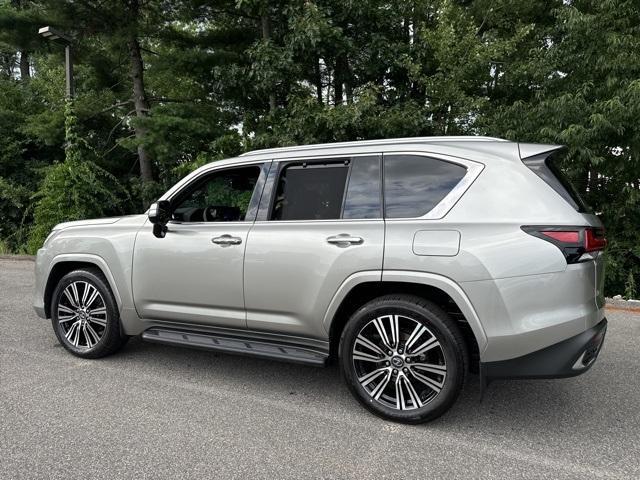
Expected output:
(238, 345)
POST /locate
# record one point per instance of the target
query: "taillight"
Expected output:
(564, 237)
(594, 239)
(573, 242)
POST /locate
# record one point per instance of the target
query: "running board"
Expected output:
(237, 345)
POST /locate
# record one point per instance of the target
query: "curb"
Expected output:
(622, 305)
(19, 258)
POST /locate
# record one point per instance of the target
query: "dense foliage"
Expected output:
(164, 86)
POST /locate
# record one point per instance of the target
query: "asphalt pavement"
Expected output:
(154, 412)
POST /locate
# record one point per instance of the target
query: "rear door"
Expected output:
(320, 221)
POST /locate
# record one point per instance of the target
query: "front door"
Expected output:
(194, 274)
(320, 222)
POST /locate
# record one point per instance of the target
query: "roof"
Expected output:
(368, 143)
(471, 148)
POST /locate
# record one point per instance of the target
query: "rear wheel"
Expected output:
(84, 315)
(403, 358)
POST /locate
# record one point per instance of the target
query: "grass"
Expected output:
(4, 248)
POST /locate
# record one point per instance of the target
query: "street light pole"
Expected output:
(53, 35)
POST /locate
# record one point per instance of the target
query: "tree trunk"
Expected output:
(337, 81)
(266, 37)
(141, 106)
(318, 79)
(342, 80)
(25, 67)
(348, 80)
(25, 71)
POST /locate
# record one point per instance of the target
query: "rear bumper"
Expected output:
(567, 358)
(525, 314)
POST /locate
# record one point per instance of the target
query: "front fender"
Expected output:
(96, 260)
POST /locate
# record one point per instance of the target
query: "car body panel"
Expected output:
(451, 288)
(292, 272)
(526, 313)
(109, 246)
(186, 277)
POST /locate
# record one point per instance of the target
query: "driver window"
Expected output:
(221, 197)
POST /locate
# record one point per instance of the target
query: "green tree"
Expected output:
(74, 189)
(586, 95)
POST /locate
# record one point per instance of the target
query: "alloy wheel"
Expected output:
(399, 362)
(82, 314)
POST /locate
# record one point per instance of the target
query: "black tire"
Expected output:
(111, 337)
(440, 328)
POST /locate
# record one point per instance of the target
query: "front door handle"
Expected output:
(226, 239)
(344, 240)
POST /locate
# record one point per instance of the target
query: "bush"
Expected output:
(14, 203)
(74, 190)
(631, 288)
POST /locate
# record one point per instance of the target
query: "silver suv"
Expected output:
(412, 261)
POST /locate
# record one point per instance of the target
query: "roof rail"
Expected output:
(365, 143)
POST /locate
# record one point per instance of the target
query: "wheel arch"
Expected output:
(358, 290)
(63, 264)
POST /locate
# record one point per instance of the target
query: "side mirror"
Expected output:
(159, 215)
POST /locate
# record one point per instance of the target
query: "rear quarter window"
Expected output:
(415, 184)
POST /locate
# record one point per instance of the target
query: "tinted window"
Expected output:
(310, 192)
(220, 197)
(414, 184)
(363, 192)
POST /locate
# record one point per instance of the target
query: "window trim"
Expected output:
(442, 208)
(254, 203)
(278, 165)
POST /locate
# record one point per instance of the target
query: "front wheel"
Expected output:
(403, 358)
(85, 316)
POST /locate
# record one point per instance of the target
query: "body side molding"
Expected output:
(445, 284)
(452, 289)
(344, 289)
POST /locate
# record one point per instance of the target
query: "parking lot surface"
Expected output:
(153, 411)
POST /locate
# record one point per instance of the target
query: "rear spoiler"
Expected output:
(539, 159)
(528, 150)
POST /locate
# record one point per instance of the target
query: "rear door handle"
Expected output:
(344, 240)
(226, 239)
